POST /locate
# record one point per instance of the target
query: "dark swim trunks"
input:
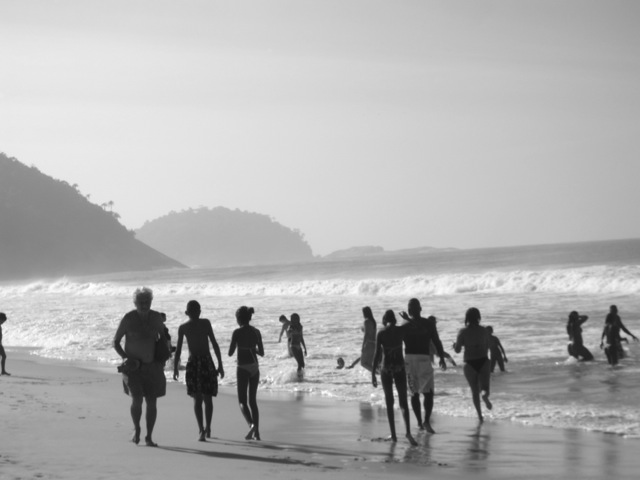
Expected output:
(146, 381)
(201, 376)
(477, 363)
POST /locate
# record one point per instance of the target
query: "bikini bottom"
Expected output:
(477, 363)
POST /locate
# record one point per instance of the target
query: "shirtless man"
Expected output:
(201, 373)
(3, 355)
(418, 335)
(143, 377)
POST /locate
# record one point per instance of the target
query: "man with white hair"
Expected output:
(142, 376)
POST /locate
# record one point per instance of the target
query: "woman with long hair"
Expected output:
(248, 341)
(474, 338)
(296, 342)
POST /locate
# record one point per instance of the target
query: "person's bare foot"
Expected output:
(6, 373)
(149, 443)
(202, 438)
(136, 436)
(207, 432)
(427, 426)
(249, 436)
(256, 435)
(487, 402)
(412, 440)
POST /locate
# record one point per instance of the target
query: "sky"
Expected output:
(395, 123)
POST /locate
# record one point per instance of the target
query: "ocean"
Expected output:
(525, 293)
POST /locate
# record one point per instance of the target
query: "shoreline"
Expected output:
(62, 420)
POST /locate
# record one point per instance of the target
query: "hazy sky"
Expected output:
(360, 122)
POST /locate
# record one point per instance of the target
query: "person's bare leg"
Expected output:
(417, 409)
(428, 409)
(4, 361)
(253, 404)
(208, 413)
(136, 415)
(197, 410)
(152, 414)
(401, 387)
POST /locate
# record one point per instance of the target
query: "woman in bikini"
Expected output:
(248, 341)
(474, 338)
(389, 350)
(296, 341)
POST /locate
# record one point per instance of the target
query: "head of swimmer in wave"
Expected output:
(243, 315)
(472, 317)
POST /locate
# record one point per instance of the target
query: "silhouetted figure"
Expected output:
(418, 335)
(574, 329)
(201, 375)
(248, 341)
(389, 351)
(474, 338)
(143, 376)
(3, 355)
(285, 326)
(296, 342)
(368, 349)
(611, 332)
(498, 355)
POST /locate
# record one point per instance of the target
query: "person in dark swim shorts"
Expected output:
(201, 375)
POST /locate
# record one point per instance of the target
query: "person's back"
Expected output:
(391, 340)
(294, 332)
(196, 332)
(246, 338)
(475, 340)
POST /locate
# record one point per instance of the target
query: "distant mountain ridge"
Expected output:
(49, 229)
(220, 237)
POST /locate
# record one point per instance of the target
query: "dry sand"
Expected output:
(62, 421)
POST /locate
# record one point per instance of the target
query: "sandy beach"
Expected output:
(72, 421)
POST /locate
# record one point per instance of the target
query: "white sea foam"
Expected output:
(588, 280)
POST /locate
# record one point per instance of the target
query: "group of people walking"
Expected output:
(143, 372)
(402, 354)
(610, 340)
(413, 373)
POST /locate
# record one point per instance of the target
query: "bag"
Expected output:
(162, 352)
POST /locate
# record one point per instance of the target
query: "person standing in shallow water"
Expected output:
(419, 333)
(574, 329)
(201, 373)
(296, 342)
(3, 355)
(389, 351)
(611, 332)
(498, 355)
(144, 377)
(248, 341)
(474, 338)
(369, 329)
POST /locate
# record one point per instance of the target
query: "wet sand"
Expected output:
(68, 421)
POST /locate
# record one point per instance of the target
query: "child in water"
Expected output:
(498, 355)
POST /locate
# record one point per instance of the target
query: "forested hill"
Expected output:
(219, 237)
(49, 229)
